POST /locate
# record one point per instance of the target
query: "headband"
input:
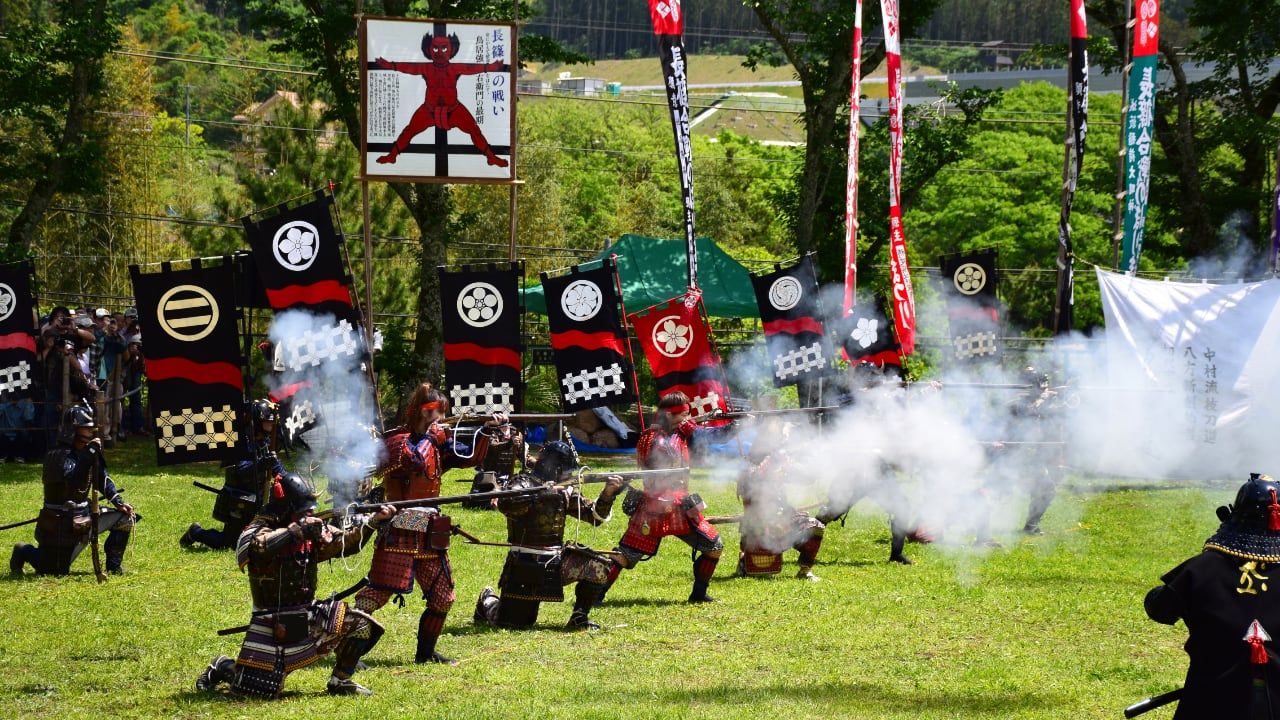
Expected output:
(433, 405)
(677, 409)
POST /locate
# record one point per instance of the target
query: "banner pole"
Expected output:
(1118, 215)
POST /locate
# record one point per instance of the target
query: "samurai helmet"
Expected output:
(74, 418)
(554, 460)
(265, 411)
(1250, 526)
(293, 494)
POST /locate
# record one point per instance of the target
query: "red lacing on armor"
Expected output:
(1273, 523)
(1257, 646)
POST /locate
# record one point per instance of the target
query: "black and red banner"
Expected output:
(1077, 125)
(588, 340)
(481, 310)
(677, 342)
(790, 310)
(192, 361)
(17, 331)
(299, 258)
(668, 26)
(969, 287)
(867, 335)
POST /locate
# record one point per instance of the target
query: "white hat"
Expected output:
(100, 313)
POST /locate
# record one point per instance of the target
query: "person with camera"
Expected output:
(64, 382)
(74, 472)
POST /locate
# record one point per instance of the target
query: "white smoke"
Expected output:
(344, 447)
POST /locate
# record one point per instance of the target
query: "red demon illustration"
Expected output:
(441, 108)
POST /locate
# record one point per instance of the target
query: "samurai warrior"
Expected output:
(416, 548)
(540, 564)
(1039, 405)
(770, 523)
(244, 489)
(665, 506)
(506, 446)
(281, 549)
(75, 474)
(441, 108)
(1224, 597)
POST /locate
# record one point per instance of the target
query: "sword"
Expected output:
(18, 524)
(1152, 703)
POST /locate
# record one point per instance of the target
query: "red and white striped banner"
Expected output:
(904, 300)
(851, 177)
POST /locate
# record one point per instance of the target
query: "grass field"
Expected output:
(1047, 627)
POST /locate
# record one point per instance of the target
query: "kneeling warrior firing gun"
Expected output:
(281, 549)
(539, 564)
(770, 524)
(243, 492)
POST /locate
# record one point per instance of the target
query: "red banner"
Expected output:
(1146, 37)
(851, 176)
(677, 343)
(904, 300)
(668, 18)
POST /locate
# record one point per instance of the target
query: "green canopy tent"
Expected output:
(653, 270)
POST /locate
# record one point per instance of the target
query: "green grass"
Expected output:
(1050, 627)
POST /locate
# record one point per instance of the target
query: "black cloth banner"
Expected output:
(587, 338)
(1077, 126)
(17, 331)
(866, 335)
(192, 362)
(299, 258)
(790, 311)
(969, 287)
(668, 26)
(481, 311)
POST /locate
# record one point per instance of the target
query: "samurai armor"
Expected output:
(761, 563)
(584, 564)
(63, 528)
(277, 643)
(412, 535)
(532, 575)
(235, 506)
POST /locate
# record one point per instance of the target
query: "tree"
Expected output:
(1222, 128)
(51, 71)
(817, 39)
(323, 33)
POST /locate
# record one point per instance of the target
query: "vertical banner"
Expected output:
(300, 264)
(677, 342)
(1139, 131)
(789, 305)
(192, 358)
(969, 287)
(851, 175)
(17, 331)
(904, 299)
(668, 25)
(1077, 126)
(481, 311)
(866, 335)
(437, 100)
(587, 338)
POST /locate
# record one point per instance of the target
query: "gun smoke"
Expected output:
(344, 446)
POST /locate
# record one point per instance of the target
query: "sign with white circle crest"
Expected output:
(785, 293)
(296, 245)
(8, 301)
(672, 337)
(187, 313)
(479, 304)
(969, 279)
(581, 300)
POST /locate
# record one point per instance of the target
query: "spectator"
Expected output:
(132, 370)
